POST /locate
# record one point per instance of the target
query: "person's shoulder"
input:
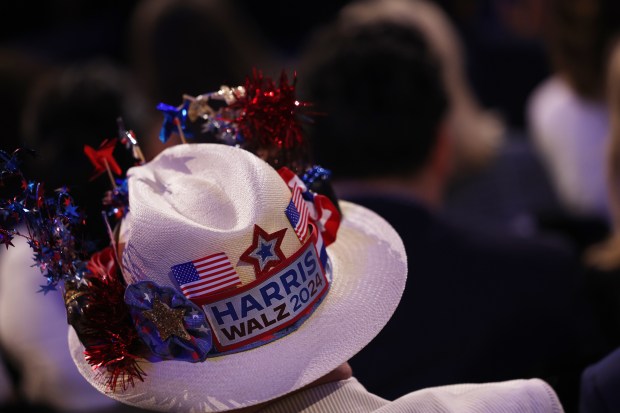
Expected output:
(556, 111)
(533, 395)
(599, 385)
(549, 98)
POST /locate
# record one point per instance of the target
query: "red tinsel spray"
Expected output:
(268, 118)
(96, 309)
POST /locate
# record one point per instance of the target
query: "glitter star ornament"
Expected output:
(265, 251)
(169, 321)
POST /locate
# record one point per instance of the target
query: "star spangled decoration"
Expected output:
(315, 173)
(265, 251)
(263, 117)
(71, 212)
(47, 288)
(5, 238)
(11, 162)
(116, 201)
(171, 326)
(48, 223)
(102, 156)
(169, 321)
(174, 117)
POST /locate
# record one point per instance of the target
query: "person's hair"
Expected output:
(74, 106)
(379, 98)
(67, 109)
(580, 33)
(193, 46)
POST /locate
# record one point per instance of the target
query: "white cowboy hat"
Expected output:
(199, 200)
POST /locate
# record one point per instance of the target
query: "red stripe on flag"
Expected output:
(213, 289)
(211, 259)
(302, 225)
(214, 280)
(209, 267)
(215, 272)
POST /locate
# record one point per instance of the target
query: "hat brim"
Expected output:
(369, 267)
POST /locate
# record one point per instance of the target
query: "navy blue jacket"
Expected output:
(478, 306)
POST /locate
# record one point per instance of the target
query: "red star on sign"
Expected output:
(102, 156)
(265, 252)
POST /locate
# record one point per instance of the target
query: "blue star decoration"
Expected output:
(71, 213)
(265, 251)
(172, 116)
(11, 162)
(47, 288)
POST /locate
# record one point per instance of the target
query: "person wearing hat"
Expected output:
(230, 284)
(242, 307)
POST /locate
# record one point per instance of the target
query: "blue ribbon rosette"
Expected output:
(173, 327)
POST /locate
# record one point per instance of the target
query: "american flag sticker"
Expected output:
(297, 213)
(205, 276)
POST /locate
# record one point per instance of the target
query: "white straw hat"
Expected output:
(198, 201)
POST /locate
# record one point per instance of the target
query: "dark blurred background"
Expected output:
(156, 50)
(503, 40)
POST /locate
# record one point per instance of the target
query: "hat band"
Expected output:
(272, 306)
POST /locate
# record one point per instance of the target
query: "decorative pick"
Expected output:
(103, 159)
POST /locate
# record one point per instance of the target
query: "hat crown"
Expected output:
(192, 201)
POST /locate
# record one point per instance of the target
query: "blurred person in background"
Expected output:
(600, 381)
(606, 256)
(189, 46)
(568, 118)
(476, 133)
(479, 306)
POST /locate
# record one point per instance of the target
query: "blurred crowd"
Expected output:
(487, 132)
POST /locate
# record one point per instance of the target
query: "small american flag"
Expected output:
(297, 213)
(205, 276)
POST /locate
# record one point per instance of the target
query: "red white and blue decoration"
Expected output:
(119, 324)
(320, 208)
(270, 307)
(102, 158)
(297, 213)
(265, 251)
(205, 276)
(175, 120)
(172, 327)
(263, 117)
